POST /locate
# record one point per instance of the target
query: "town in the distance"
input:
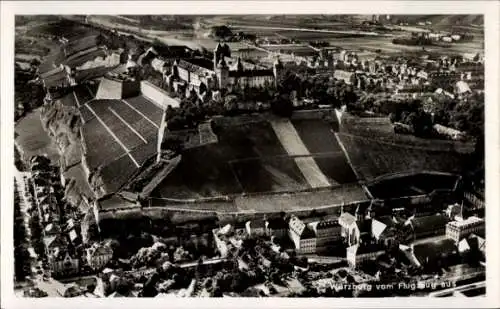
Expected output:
(249, 156)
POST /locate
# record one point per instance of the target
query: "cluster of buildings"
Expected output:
(61, 229)
(204, 75)
(62, 258)
(362, 235)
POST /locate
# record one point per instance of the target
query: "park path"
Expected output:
(291, 141)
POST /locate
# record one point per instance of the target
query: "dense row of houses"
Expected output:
(61, 232)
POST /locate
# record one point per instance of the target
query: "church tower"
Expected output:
(222, 73)
(277, 71)
(217, 55)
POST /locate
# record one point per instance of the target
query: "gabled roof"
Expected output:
(73, 235)
(251, 73)
(426, 223)
(378, 228)
(307, 233)
(53, 241)
(277, 224)
(430, 251)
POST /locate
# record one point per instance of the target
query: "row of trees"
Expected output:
(322, 89)
(21, 255)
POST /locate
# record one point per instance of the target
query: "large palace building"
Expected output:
(222, 72)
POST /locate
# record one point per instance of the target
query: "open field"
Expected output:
(32, 139)
(269, 174)
(318, 137)
(250, 157)
(423, 183)
(80, 44)
(84, 56)
(385, 45)
(301, 200)
(169, 37)
(373, 157)
(207, 170)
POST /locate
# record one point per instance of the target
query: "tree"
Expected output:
(100, 40)
(282, 106)
(177, 122)
(173, 142)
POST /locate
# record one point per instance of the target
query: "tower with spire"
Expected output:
(277, 71)
(222, 73)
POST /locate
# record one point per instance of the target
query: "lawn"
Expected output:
(301, 200)
(317, 135)
(412, 185)
(246, 152)
(336, 168)
(269, 175)
(320, 140)
(32, 139)
(373, 157)
(80, 44)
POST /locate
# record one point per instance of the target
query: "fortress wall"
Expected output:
(157, 95)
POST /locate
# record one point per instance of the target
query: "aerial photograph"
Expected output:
(249, 156)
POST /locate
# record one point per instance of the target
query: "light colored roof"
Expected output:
(224, 230)
(346, 219)
(470, 220)
(378, 228)
(463, 245)
(73, 235)
(107, 270)
(462, 87)
(131, 64)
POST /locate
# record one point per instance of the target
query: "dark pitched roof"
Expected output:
(434, 250)
(426, 223)
(255, 224)
(362, 249)
(307, 233)
(195, 64)
(277, 223)
(251, 73)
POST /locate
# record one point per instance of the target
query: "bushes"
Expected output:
(282, 106)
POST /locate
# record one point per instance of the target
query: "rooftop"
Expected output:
(468, 221)
(427, 223)
(433, 250)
